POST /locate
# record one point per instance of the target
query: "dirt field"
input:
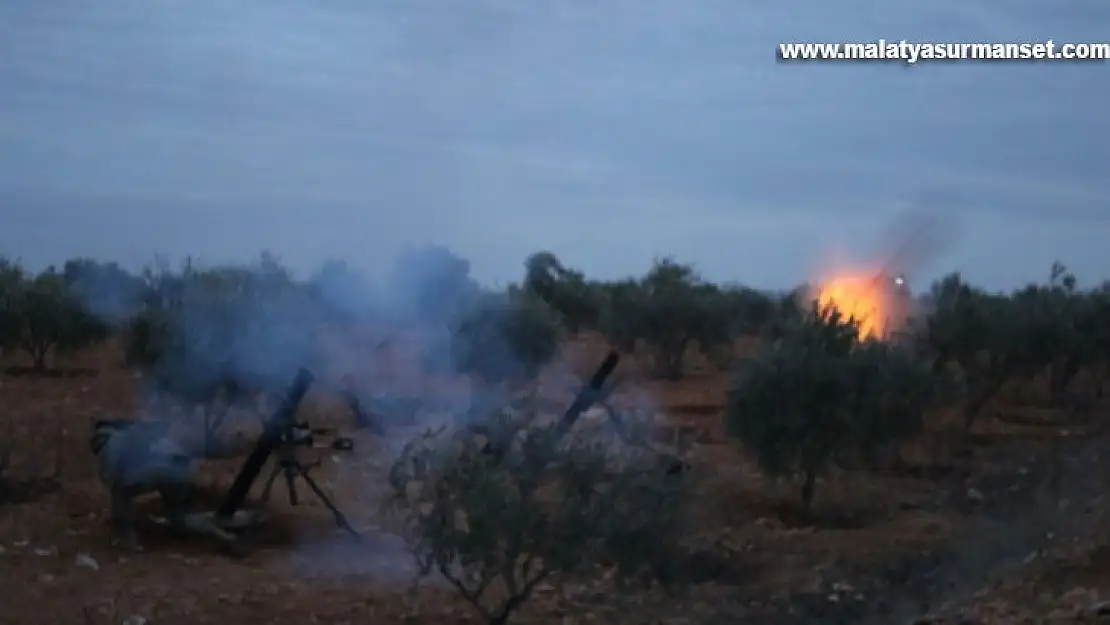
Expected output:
(1010, 533)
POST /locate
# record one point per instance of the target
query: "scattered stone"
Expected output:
(974, 495)
(84, 560)
(1076, 593)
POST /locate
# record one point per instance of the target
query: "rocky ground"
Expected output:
(1013, 531)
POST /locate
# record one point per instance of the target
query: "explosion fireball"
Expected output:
(875, 293)
(861, 297)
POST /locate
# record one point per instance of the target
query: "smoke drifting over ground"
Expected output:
(254, 326)
(258, 324)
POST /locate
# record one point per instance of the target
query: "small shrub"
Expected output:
(548, 506)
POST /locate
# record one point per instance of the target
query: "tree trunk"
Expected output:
(975, 406)
(1061, 374)
(212, 423)
(1056, 470)
(808, 487)
(669, 361)
(1100, 379)
(940, 363)
(38, 357)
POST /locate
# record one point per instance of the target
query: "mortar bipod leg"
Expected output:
(340, 519)
(268, 487)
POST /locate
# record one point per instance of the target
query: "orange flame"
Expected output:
(860, 297)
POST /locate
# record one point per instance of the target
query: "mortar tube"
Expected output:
(270, 439)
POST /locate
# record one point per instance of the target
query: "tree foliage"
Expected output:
(576, 300)
(432, 284)
(549, 506)
(195, 329)
(1051, 328)
(505, 337)
(817, 395)
(228, 333)
(11, 282)
(43, 312)
(669, 310)
(108, 291)
(344, 294)
(749, 311)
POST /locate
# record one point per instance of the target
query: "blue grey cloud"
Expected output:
(609, 131)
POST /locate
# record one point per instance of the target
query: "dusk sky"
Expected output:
(607, 131)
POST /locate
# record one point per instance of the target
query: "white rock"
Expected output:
(86, 561)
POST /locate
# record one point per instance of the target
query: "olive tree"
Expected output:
(11, 284)
(788, 309)
(1093, 323)
(432, 285)
(505, 337)
(734, 311)
(107, 290)
(225, 333)
(750, 311)
(1045, 331)
(974, 331)
(817, 395)
(549, 506)
(995, 338)
(567, 291)
(345, 293)
(1076, 323)
(42, 313)
(892, 387)
(669, 310)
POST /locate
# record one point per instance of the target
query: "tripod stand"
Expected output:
(291, 468)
